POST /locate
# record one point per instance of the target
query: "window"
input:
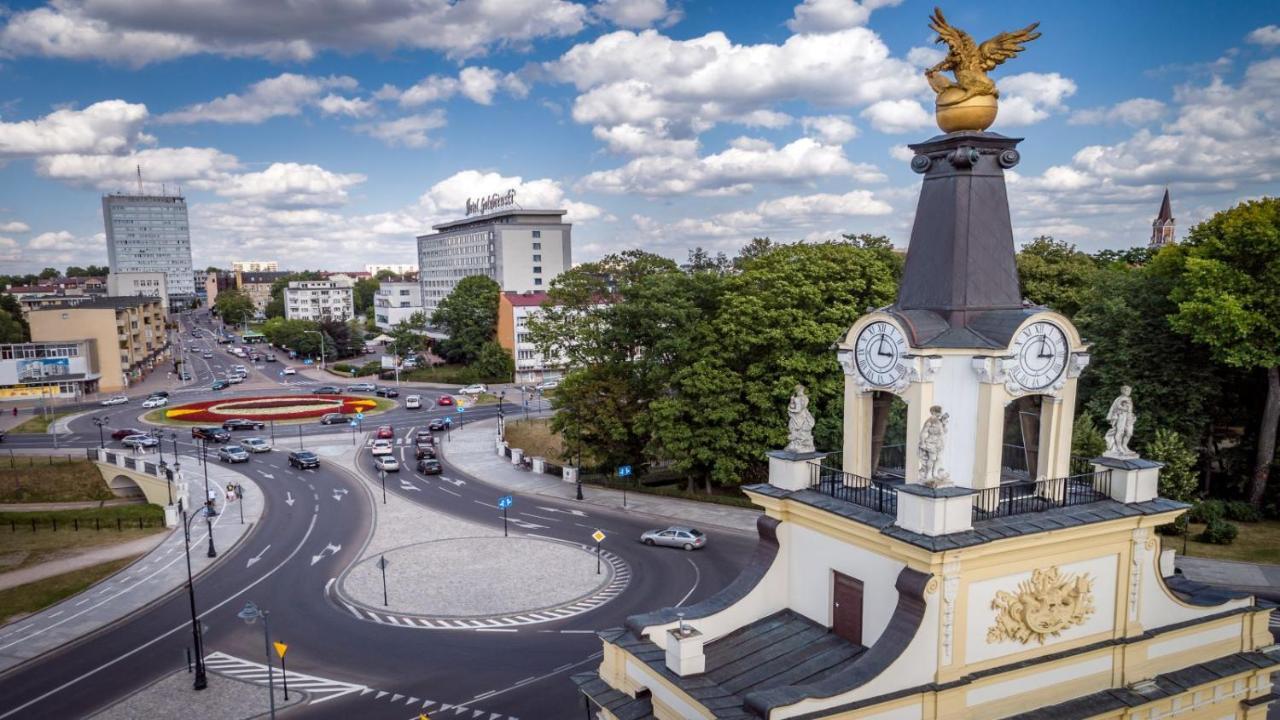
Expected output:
(537, 233)
(537, 268)
(537, 281)
(537, 246)
(537, 258)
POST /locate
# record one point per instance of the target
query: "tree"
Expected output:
(1229, 301)
(470, 316)
(49, 273)
(13, 309)
(757, 247)
(11, 330)
(233, 306)
(90, 271)
(1178, 476)
(384, 275)
(1054, 273)
(362, 295)
(701, 260)
(407, 336)
(494, 362)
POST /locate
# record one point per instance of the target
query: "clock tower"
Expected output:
(961, 338)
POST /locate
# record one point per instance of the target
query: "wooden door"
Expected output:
(846, 608)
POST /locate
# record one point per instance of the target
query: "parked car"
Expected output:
(424, 451)
(361, 387)
(381, 447)
(389, 392)
(210, 434)
(242, 424)
(219, 385)
(115, 400)
(445, 400)
(255, 445)
(440, 424)
(155, 402)
(546, 385)
(681, 537)
(140, 440)
(184, 376)
(430, 466)
(385, 432)
(303, 459)
(473, 389)
(413, 402)
(386, 462)
(288, 371)
(123, 433)
(327, 390)
(333, 419)
(233, 454)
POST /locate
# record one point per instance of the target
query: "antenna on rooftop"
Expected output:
(139, 179)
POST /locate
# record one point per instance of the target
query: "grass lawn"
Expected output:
(32, 597)
(20, 547)
(39, 423)
(536, 438)
(60, 482)
(1257, 543)
(448, 375)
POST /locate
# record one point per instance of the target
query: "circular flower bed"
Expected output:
(294, 407)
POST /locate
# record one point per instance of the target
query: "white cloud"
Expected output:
(901, 153)
(897, 116)
(924, 56)
(637, 14)
(478, 84)
(408, 131)
(290, 184)
(14, 226)
(630, 139)
(159, 165)
(110, 126)
(61, 240)
(448, 198)
(1028, 98)
(351, 107)
(1135, 112)
(1266, 35)
(10, 251)
(432, 88)
(824, 16)
(284, 94)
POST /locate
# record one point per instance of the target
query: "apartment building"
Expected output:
(257, 285)
(318, 300)
(514, 312)
(398, 269)
(395, 302)
(129, 335)
(255, 266)
(150, 284)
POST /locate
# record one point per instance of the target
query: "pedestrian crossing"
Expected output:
(319, 690)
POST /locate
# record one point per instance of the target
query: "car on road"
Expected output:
(327, 390)
(681, 537)
(385, 432)
(333, 419)
(233, 454)
(382, 447)
(210, 434)
(242, 424)
(361, 387)
(386, 463)
(424, 451)
(160, 393)
(425, 436)
(115, 400)
(476, 389)
(184, 376)
(155, 402)
(207, 355)
(219, 385)
(140, 440)
(288, 371)
(123, 433)
(255, 445)
(445, 400)
(430, 466)
(547, 385)
(303, 459)
(389, 392)
(240, 369)
(413, 402)
(270, 357)
(440, 424)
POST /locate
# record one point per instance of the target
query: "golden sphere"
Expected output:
(976, 113)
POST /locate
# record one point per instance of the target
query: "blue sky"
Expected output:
(331, 136)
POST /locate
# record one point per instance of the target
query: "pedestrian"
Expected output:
(231, 491)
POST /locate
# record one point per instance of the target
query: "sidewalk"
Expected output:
(90, 557)
(471, 450)
(1247, 577)
(141, 583)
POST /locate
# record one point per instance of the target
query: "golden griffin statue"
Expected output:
(969, 103)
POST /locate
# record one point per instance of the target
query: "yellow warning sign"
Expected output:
(280, 648)
(597, 536)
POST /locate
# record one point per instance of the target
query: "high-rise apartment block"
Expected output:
(318, 300)
(149, 233)
(255, 266)
(398, 269)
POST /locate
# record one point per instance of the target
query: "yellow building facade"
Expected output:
(129, 334)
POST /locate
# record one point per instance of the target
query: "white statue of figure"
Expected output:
(933, 437)
(1121, 416)
(799, 423)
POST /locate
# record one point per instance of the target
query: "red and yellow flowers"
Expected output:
(292, 407)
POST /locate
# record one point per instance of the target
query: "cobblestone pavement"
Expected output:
(227, 698)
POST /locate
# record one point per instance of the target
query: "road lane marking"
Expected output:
(697, 577)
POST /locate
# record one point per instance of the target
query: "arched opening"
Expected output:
(1020, 450)
(124, 486)
(888, 437)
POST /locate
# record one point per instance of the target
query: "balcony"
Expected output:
(878, 495)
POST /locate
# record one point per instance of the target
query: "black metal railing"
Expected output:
(1017, 498)
(871, 494)
(892, 462)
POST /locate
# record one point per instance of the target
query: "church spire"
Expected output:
(1162, 228)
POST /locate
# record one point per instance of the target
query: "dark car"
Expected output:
(242, 424)
(123, 433)
(159, 393)
(327, 390)
(440, 424)
(210, 434)
(219, 384)
(303, 459)
(425, 436)
(424, 451)
(389, 392)
(430, 466)
(333, 419)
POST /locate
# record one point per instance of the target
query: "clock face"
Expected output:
(1040, 351)
(881, 352)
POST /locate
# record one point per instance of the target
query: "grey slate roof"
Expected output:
(622, 705)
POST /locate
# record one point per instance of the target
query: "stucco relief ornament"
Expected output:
(1042, 607)
(933, 437)
(799, 423)
(1121, 415)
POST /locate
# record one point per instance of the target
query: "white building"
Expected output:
(149, 233)
(522, 250)
(255, 266)
(150, 284)
(318, 300)
(398, 269)
(395, 302)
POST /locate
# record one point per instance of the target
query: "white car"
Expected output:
(473, 389)
(289, 371)
(115, 400)
(547, 385)
(235, 379)
(381, 447)
(255, 445)
(413, 402)
(240, 369)
(155, 402)
(386, 463)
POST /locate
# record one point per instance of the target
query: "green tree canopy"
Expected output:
(1054, 273)
(407, 336)
(362, 295)
(13, 309)
(233, 306)
(494, 362)
(470, 316)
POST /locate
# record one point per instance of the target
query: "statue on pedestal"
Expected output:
(969, 103)
(1122, 417)
(799, 423)
(933, 437)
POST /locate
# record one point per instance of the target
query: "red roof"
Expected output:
(525, 299)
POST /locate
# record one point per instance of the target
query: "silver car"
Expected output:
(386, 463)
(139, 441)
(256, 445)
(681, 537)
(233, 454)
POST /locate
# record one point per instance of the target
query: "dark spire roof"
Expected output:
(1166, 212)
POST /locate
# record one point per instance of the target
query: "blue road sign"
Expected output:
(359, 416)
(354, 423)
(308, 361)
(505, 502)
(624, 471)
(460, 408)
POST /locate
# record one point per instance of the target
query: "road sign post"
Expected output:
(504, 502)
(382, 565)
(284, 674)
(599, 538)
(624, 471)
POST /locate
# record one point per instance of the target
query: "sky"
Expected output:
(329, 133)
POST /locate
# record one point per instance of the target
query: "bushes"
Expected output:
(1178, 476)
(1218, 532)
(1241, 511)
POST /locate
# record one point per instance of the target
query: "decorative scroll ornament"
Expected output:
(1042, 607)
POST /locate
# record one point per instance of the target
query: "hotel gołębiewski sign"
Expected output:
(483, 205)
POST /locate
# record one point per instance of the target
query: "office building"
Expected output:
(395, 302)
(149, 284)
(48, 370)
(149, 233)
(521, 250)
(404, 269)
(257, 285)
(129, 334)
(318, 300)
(255, 266)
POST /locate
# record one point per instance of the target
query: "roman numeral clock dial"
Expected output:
(1040, 352)
(881, 352)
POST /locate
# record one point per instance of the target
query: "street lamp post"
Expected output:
(382, 474)
(201, 680)
(249, 614)
(577, 442)
(101, 423)
(176, 465)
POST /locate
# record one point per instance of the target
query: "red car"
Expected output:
(126, 432)
(385, 432)
(444, 400)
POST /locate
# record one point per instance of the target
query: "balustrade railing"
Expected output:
(1017, 498)
(871, 494)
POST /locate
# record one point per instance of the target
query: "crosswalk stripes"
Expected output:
(320, 690)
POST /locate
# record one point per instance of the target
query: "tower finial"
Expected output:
(139, 179)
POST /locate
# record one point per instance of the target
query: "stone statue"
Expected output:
(799, 423)
(1121, 416)
(969, 103)
(933, 437)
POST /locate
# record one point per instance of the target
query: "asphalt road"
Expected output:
(522, 674)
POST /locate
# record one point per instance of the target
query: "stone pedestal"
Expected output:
(170, 515)
(517, 454)
(1132, 481)
(790, 470)
(570, 474)
(539, 465)
(501, 449)
(935, 511)
(684, 652)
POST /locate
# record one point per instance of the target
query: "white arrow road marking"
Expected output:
(288, 499)
(328, 549)
(267, 475)
(527, 525)
(406, 485)
(579, 513)
(258, 557)
(455, 483)
(339, 492)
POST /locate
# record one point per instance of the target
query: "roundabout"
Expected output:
(277, 408)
